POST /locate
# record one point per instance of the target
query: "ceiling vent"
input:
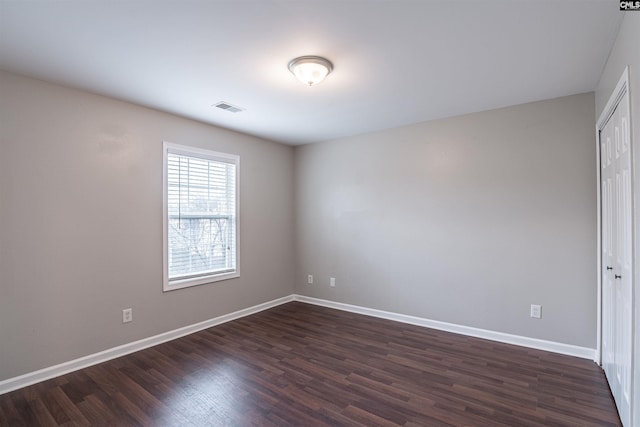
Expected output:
(228, 107)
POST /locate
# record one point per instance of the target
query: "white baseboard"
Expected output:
(555, 347)
(112, 353)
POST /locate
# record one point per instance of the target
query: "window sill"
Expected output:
(173, 285)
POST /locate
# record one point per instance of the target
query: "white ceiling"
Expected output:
(396, 62)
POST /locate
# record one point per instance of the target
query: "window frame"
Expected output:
(167, 283)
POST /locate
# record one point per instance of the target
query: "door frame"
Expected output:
(618, 93)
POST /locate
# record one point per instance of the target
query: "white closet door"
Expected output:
(617, 256)
(608, 258)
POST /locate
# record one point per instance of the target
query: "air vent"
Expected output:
(228, 107)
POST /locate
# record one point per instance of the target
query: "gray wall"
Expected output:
(626, 51)
(81, 224)
(467, 220)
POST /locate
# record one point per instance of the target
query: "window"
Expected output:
(200, 216)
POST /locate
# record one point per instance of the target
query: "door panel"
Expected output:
(617, 257)
(608, 257)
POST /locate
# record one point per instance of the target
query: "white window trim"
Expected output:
(171, 285)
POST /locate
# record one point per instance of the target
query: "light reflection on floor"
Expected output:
(210, 396)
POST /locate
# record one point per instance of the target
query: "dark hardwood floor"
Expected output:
(302, 365)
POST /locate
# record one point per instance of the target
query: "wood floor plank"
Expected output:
(71, 411)
(303, 365)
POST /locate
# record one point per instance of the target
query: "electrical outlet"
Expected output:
(310, 279)
(536, 311)
(127, 315)
(332, 282)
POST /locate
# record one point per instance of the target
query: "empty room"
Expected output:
(319, 213)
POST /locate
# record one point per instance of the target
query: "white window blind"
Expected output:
(201, 216)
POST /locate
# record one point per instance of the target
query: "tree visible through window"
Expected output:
(200, 216)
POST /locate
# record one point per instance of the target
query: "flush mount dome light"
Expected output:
(310, 70)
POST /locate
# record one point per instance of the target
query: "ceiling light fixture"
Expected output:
(310, 70)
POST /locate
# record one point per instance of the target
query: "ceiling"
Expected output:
(395, 62)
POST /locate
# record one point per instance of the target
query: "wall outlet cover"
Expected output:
(536, 311)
